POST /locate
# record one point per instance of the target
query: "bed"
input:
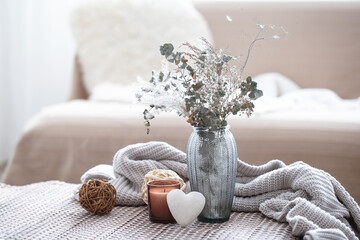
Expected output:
(322, 50)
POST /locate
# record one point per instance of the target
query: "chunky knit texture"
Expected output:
(310, 200)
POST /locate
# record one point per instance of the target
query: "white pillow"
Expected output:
(114, 92)
(275, 84)
(119, 40)
(267, 84)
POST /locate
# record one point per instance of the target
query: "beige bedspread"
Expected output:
(47, 210)
(62, 145)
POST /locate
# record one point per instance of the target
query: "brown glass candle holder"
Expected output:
(159, 211)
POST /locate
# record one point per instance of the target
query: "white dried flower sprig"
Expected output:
(204, 87)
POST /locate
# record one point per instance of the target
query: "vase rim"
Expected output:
(227, 127)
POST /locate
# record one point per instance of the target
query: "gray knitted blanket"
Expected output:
(310, 200)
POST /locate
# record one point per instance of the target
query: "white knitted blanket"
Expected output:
(310, 200)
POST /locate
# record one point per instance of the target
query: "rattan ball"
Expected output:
(160, 174)
(97, 196)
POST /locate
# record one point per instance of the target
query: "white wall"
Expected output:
(36, 57)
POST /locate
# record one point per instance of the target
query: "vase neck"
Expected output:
(206, 129)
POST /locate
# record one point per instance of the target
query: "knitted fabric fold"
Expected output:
(313, 202)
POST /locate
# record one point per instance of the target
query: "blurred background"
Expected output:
(36, 59)
(50, 53)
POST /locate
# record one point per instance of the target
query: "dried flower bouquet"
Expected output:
(205, 87)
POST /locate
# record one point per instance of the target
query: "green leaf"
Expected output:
(226, 58)
(144, 89)
(255, 94)
(259, 93)
(166, 49)
(147, 115)
(248, 80)
(152, 80)
(161, 76)
(190, 69)
(253, 85)
(183, 66)
(170, 57)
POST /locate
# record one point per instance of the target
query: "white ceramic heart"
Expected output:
(185, 207)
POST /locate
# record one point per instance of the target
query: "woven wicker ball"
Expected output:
(160, 174)
(97, 196)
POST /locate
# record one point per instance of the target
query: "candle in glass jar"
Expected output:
(158, 208)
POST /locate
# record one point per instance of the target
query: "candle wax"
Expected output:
(158, 202)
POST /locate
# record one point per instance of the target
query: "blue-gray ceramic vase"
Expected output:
(212, 165)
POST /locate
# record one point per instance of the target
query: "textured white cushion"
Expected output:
(119, 40)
